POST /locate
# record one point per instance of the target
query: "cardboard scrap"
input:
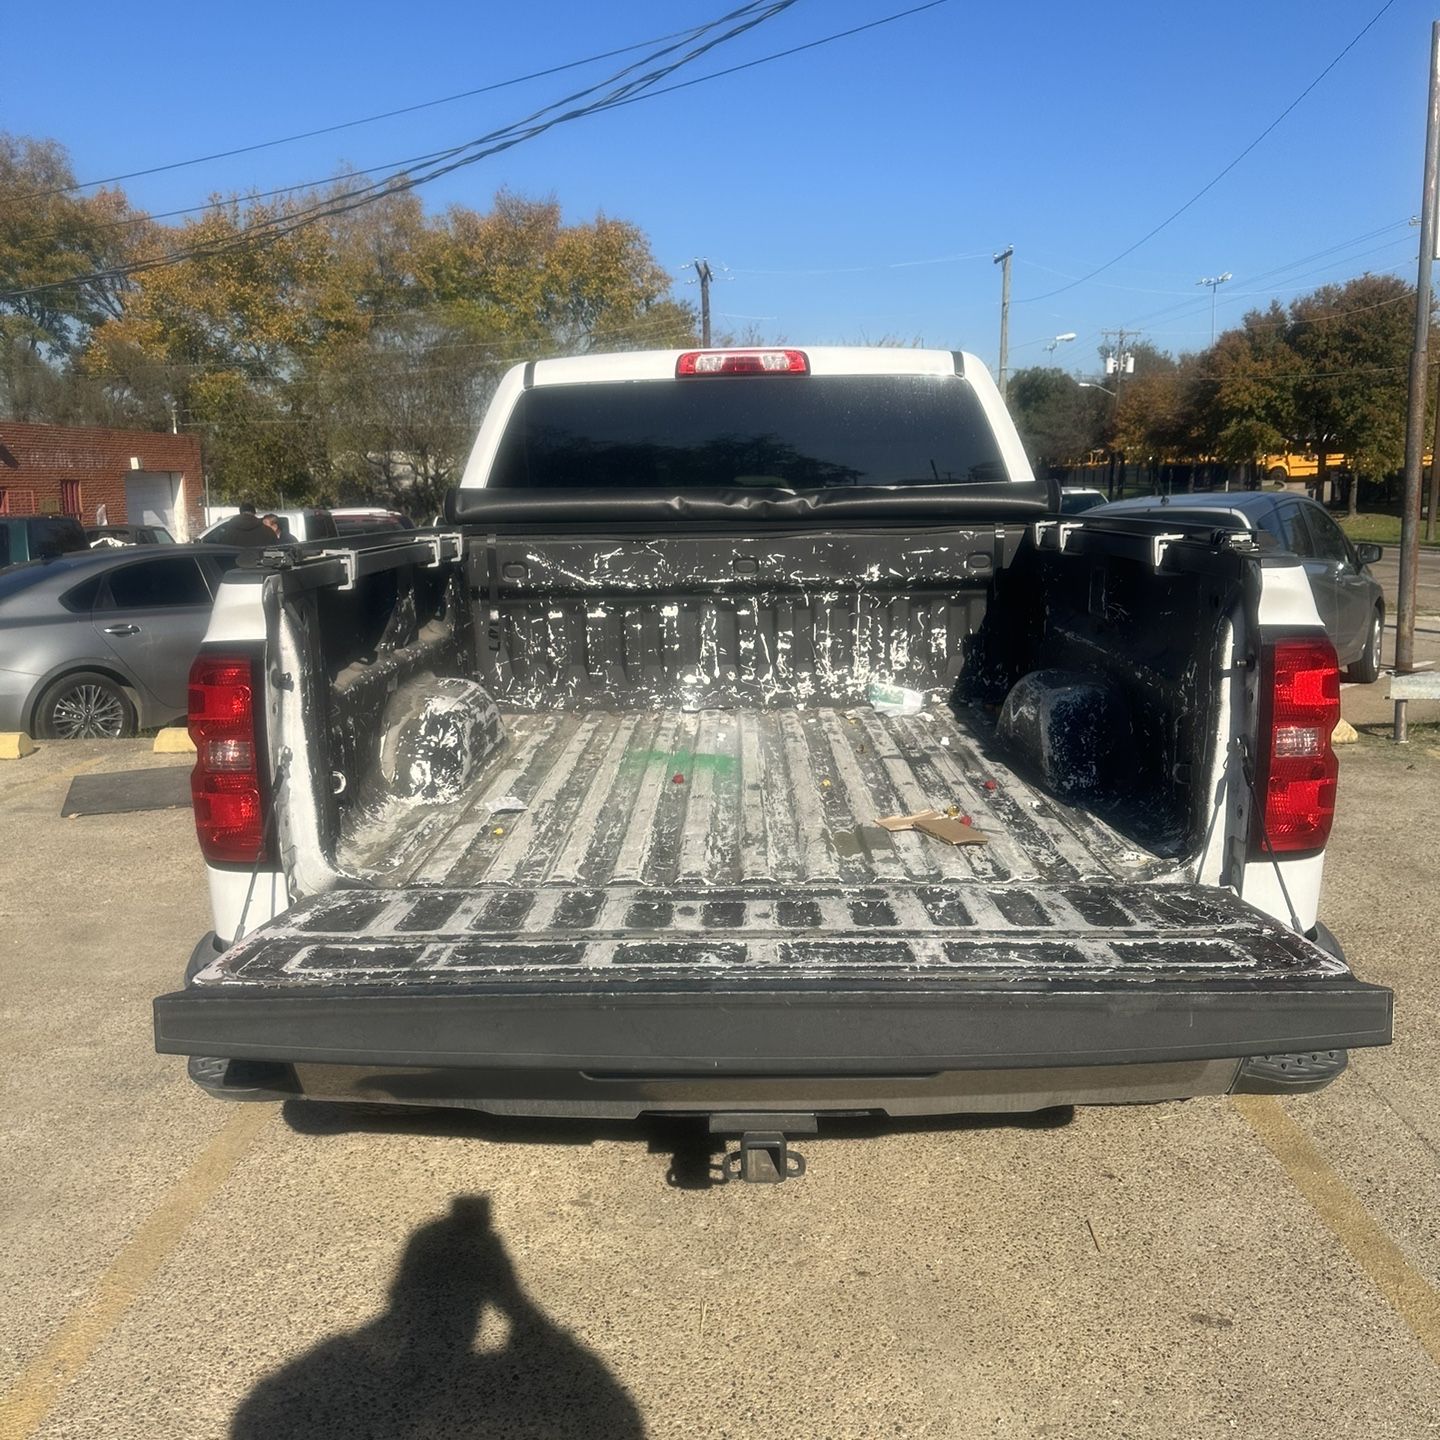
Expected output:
(950, 828)
(896, 823)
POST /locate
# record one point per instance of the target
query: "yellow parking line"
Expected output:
(1414, 1299)
(29, 1401)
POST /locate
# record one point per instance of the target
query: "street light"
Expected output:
(1214, 282)
(1059, 340)
(1091, 385)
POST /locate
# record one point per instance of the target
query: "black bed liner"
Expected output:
(765, 797)
(753, 938)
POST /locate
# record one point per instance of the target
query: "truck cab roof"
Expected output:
(792, 418)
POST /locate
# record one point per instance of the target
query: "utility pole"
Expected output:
(1419, 377)
(1003, 261)
(702, 269)
(1119, 364)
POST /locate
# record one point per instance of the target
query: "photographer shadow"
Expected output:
(461, 1351)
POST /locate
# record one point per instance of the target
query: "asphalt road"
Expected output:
(175, 1267)
(1427, 584)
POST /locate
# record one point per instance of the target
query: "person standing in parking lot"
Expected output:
(245, 529)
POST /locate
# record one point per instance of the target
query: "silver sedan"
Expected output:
(99, 643)
(1348, 597)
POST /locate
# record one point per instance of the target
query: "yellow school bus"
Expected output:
(1298, 465)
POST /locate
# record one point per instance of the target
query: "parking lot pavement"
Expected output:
(175, 1267)
(1427, 579)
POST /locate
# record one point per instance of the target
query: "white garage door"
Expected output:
(152, 498)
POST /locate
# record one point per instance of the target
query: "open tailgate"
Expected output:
(801, 980)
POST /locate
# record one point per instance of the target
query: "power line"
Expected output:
(1180, 312)
(399, 166)
(504, 139)
(1189, 306)
(441, 162)
(352, 124)
(1211, 184)
(867, 269)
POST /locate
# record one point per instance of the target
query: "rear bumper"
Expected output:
(911, 1046)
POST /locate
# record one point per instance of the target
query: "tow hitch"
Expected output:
(764, 1156)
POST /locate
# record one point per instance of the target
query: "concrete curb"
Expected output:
(174, 740)
(15, 745)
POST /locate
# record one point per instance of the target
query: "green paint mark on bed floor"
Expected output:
(682, 762)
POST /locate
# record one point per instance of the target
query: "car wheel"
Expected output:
(1366, 670)
(85, 706)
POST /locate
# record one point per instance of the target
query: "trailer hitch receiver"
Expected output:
(764, 1156)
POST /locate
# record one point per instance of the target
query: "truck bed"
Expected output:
(738, 797)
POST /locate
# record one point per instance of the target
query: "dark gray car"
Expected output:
(99, 643)
(1348, 597)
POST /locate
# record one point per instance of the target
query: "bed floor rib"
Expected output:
(748, 797)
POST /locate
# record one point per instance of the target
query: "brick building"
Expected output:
(98, 475)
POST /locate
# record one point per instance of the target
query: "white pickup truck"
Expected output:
(572, 807)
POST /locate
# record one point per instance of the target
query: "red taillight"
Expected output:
(225, 785)
(743, 362)
(1299, 705)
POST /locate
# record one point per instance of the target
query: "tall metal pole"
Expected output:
(1003, 261)
(702, 269)
(1214, 282)
(1415, 417)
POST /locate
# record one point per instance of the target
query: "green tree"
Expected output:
(1353, 344)
(1242, 400)
(1059, 422)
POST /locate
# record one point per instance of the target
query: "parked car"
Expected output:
(756, 745)
(115, 535)
(363, 520)
(39, 537)
(301, 525)
(1076, 499)
(98, 644)
(1349, 598)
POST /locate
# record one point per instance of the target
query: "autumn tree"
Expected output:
(356, 353)
(49, 234)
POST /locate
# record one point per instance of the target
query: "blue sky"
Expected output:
(838, 187)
